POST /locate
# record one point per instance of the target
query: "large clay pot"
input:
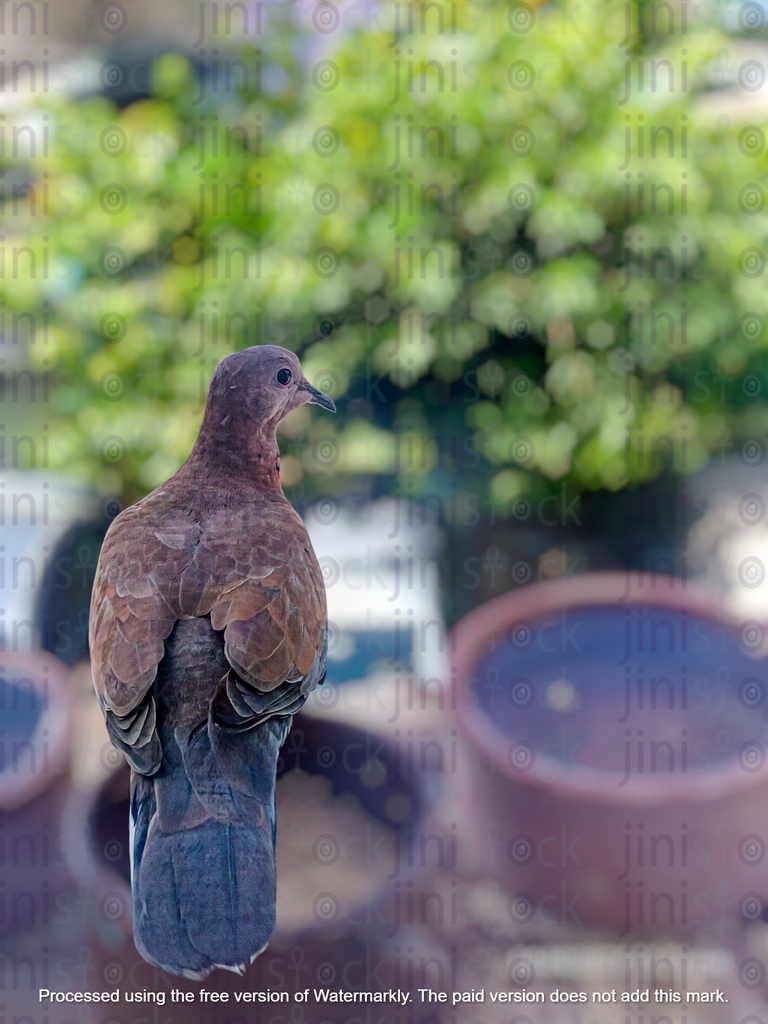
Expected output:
(621, 724)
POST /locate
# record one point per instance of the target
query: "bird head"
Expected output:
(250, 392)
(266, 382)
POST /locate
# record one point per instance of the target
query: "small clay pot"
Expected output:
(36, 713)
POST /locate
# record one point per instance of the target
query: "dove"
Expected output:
(207, 633)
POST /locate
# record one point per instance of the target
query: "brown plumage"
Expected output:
(207, 633)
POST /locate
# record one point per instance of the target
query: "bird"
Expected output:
(207, 633)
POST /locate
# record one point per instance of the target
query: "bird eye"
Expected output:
(284, 376)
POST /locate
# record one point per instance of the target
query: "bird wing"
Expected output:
(270, 600)
(250, 568)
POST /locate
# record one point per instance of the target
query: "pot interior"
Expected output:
(627, 691)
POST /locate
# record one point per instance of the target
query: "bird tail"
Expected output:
(203, 854)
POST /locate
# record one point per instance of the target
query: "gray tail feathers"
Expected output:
(203, 855)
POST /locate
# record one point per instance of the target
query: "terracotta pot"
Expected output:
(334, 865)
(624, 731)
(35, 738)
(36, 712)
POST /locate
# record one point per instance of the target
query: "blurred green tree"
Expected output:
(520, 245)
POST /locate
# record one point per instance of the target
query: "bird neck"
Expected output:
(227, 448)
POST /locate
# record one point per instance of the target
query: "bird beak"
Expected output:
(318, 397)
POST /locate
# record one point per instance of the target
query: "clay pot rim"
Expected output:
(486, 626)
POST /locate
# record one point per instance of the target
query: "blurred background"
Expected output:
(522, 245)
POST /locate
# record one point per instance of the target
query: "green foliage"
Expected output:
(464, 266)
